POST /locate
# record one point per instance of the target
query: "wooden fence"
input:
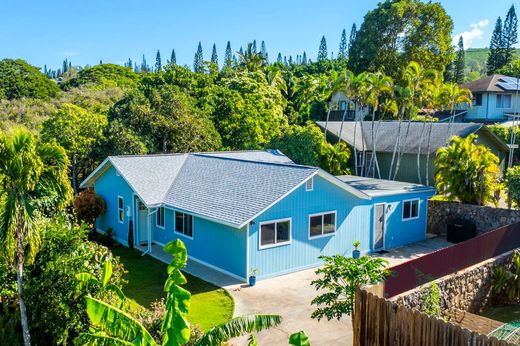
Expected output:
(377, 321)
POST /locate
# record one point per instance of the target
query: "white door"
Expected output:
(143, 223)
(379, 226)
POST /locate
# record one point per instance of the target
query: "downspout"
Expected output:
(247, 253)
(149, 245)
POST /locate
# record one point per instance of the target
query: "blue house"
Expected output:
(236, 211)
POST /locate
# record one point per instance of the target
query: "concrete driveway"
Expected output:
(289, 296)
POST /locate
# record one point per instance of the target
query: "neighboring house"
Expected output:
(495, 99)
(238, 211)
(341, 107)
(414, 140)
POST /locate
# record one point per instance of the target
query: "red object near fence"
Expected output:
(419, 271)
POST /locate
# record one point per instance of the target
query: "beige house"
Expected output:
(342, 106)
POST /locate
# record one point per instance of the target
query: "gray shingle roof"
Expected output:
(380, 187)
(234, 193)
(485, 84)
(414, 134)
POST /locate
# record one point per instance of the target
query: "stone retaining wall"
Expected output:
(485, 218)
(468, 289)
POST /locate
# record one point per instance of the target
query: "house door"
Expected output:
(379, 226)
(143, 223)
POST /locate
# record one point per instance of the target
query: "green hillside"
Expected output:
(476, 62)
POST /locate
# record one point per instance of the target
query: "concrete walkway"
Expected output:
(290, 296)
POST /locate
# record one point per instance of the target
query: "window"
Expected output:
(275, 233)
(411, 209)
(322, 224)
(342, 105)
(120, 209)
(477, 99)
(159, 221)
(309, 184)
(503, 101)
(184, 224)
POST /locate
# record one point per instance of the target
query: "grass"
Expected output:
(506, 313)
(210, 304)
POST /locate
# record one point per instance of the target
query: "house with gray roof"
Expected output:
(416, 139)
(240, 211)
(495, 99)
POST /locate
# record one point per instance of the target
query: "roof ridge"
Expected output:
(295, 165)
(147, 155)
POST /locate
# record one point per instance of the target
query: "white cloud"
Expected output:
(475, 33)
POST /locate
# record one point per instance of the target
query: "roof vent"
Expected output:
(309, 184)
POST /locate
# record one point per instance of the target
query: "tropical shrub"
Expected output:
(467, 172)
(506, 279)
(339, 278)
(513, 185)
(431, 300)
(52, 292)
(88, 206)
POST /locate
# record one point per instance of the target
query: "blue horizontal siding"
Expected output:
(109, 186)
(353, 223)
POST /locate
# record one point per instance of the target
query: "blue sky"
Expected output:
(46, 32)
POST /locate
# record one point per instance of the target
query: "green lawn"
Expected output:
(210, 304)
(504, 314)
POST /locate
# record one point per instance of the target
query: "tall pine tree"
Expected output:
(460, 62)
(279, 58)
(214, 56)
(342, 53)
(263, 51)
(304, 58)
(228, 57)
(198, 60)
(509, 35)
(173, 58)
(254, 46)
(322, 52)
(495, 57)
(352, 38)
(158, 63)
(144, 65)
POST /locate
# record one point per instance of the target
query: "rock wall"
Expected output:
(468, 290)
(485, 218)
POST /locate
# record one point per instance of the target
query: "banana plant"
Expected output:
(88, 279)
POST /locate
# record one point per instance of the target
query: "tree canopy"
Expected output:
(19, 79)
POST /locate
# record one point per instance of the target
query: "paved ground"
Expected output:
(290, 296)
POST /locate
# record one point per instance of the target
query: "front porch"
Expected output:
(193, 267)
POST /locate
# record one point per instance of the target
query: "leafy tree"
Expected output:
(165, 120)
(297, 137)
(510, 35)
(513, 185)
(19, 79)
(30, 172)
(76, 130)
(88, 206)
(400, 31)
(339, 278)
(228, 59)
(496, 57)
(198, 60)
(467, 172)
(158, 64)
(214, 56)
(460, 62)
(322, 51)
(104, 76)
(173, 58)
(343, 49)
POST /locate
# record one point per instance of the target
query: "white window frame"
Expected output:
(418, 209)
(261, 247)
(160, 211)
(121, 211)
(175, 224)
(502, 102)
(311, 188)
(322, 220)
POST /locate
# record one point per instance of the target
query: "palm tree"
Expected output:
(376, 84)
(402, 95)
(250, 60)
(30, 172)
(453, 96)
(346, 85)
